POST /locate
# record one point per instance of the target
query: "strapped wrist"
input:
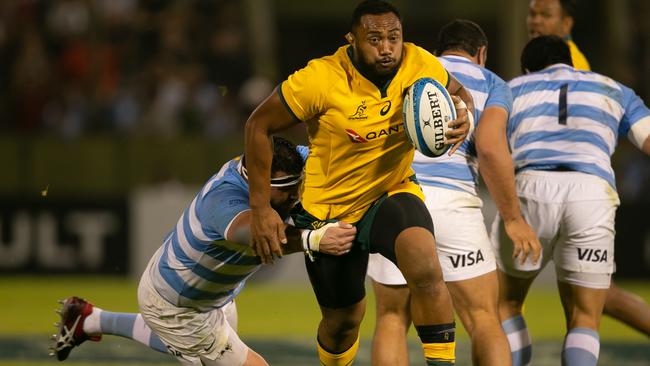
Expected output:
(305, 236)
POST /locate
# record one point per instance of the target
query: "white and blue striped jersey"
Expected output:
(566, 119)
(196, 267)
(460, 171)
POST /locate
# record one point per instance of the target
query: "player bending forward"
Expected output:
(186, 291)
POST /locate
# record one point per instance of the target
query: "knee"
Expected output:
(419, 264)
(343, 322)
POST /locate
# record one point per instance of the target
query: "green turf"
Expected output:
(29, 303)
(278, 321)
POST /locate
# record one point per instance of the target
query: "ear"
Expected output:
(349, 37)
(567, 25)
(482, 55)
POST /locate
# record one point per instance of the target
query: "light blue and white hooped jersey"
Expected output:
(566, 119)
(460, 171)
(196, 267)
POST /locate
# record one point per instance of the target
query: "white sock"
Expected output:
(519, 340)
(92, 323)
(581, 347)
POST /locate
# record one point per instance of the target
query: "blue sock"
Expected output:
(581, 347)
(130, 326)
(520, 347)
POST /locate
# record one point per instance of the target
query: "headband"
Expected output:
(278, 182)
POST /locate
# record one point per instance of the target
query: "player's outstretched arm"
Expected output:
(266, 226)
(495, 165)
(333, 239)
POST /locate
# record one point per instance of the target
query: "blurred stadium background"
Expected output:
(112, 112)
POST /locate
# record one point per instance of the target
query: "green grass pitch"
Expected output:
(278, 321)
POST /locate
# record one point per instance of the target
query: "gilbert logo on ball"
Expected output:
(427, 110)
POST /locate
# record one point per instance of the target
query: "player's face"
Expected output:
(283, 198)
(377, 42)
(546, 18)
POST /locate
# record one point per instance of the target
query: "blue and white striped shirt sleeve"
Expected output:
(219, 207)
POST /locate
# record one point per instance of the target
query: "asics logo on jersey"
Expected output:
(385, 109)
(360, 113)
(469, 259)
(592, 255)
(372, 135)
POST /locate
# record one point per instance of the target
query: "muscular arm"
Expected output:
(336, 241)
(495, 165)
(267, 229)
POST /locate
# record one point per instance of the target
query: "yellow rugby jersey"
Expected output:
(358, 149)
(579, 60)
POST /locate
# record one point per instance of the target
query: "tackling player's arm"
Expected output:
(334, 239)
(495, 165)
(266, 226)
(461, 125)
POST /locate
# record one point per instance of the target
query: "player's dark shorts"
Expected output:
(338, 281)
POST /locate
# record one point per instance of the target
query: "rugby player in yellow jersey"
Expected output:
(358, 171)
(555, 17)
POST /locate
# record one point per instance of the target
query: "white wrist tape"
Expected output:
(311, 238)
(470, 116)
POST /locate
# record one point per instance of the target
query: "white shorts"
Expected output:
(573, 215)
(464, 248)
(195, 338)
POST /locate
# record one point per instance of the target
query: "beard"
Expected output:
(377, 71)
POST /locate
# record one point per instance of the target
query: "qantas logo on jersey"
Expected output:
(592, 255)
(469, 259)
(355, 137)
(360, 113)
(373, 135)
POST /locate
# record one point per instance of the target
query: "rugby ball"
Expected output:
(427, 110)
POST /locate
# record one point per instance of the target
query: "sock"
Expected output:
(125, 325)
(337, 359)
(520, 347)
(438, 343)
(581, 347)
(91, 325)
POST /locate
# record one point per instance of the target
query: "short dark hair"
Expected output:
(285, 157)
(569, 7)
(374, 7)
(543, 51)
(461, 35)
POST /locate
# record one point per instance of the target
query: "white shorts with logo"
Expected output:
(195, 338)
(573, 215)
(464, 248)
